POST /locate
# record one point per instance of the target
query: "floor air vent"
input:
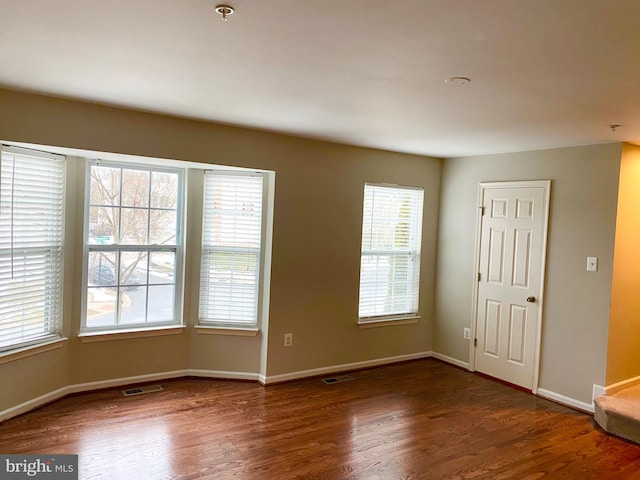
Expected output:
(140, 390)
(340, 379)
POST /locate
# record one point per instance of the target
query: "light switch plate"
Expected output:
(592, 264)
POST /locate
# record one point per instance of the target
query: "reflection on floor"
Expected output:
(422, 419)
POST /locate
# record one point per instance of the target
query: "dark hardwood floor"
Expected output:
(422, 419)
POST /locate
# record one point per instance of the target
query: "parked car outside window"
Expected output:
(105, 275)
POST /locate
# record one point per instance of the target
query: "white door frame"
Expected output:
(546, 184)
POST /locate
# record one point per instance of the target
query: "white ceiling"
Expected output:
(545, 73)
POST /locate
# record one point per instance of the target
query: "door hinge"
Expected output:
(475, 342)
(479, 276)
(481, 211)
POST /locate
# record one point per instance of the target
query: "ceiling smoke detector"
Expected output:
(457, 80)
(224, 11)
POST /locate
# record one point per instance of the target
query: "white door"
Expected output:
(511, 268)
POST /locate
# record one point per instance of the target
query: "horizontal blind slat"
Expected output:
(390, 255)
(231, 241)
(31, 229)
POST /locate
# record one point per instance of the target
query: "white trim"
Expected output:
(394, 185)
(598, 391)
(26, 150)
(568, 401)
(213, 330)
(223, 375)
(179, 267)
(616, 387)
(214, 180)
(412, 251)
(451, 360)
(49, 323)
(116, 382)
(387, 322)
(476, 271)
(265, 281)
(546, 185)
(216, 374)
(81, 387)
(11, 355)
(543, 277)
(123, 157)
(106, 335)
(33, 403)
(284, 377)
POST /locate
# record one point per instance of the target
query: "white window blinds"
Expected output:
(31, 235)
(231, 242)
(390, 261)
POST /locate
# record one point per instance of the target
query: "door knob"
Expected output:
(531, 299)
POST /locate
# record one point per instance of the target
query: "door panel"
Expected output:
(496, 257)
(492, 328)
(517, 329)
(521, 258)
(511, 265)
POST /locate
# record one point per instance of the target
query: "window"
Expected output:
(133, 256)
(31, 236)
(390, 257)
(231, 249)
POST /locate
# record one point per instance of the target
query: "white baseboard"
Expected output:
(193, 372)
(116, 382)
(218, 374)
(33, 403)
(570, 402)
(598, 391)
(616, 387)
(222, 374)
(451, 360)
(314, 372)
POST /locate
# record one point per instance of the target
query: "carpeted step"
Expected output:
(619, 414)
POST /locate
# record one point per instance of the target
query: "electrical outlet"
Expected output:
(467, 334)
(288, 339)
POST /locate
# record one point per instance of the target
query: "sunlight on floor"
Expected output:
(114, 448)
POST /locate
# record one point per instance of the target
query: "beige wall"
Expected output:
(316, 247)
(582, 223)
(623, 358)
(316, 241)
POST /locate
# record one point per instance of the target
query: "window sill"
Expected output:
(388, 322)
(107, 335)
(23, 352)
(239, 332)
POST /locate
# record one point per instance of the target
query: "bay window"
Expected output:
(133, 247)
(31, 242)
(231, 249)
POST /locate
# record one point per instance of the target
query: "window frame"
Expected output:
(179, 247)
(414, 256)
(230, 327)
(56, 284)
